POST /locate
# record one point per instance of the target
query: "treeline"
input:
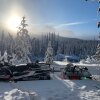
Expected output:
(64, 45)
(61, 45)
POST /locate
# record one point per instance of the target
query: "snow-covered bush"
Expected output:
(90, 60)
(82, 61)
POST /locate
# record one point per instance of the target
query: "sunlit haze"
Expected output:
(13, 22)
(70, 18)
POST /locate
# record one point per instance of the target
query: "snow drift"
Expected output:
(16, 94)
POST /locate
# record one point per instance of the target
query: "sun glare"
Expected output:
(13, 22)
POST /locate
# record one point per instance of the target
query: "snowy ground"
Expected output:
(55, 89)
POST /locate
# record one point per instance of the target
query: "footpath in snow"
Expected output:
(55, 89)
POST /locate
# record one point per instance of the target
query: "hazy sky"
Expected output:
(72, 18)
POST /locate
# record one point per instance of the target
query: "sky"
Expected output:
(69, 18)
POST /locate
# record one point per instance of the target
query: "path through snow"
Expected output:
(57, 89)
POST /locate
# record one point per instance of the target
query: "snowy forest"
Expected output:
(61, 45)
(49, 50)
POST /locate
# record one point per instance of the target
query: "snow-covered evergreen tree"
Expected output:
(10, 44)
(23, 43)
(49, 54)
(13, 59)
(2, 42)
(0, 56)
(97, 54)
(61, 45)
(5, 57)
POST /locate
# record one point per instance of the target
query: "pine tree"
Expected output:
(0, 56)
(23, 43)
(49, 54)
(10, 44)
(97, 54)
(2, 43)
(5, 57)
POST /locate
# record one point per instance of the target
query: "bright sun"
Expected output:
(13, 22)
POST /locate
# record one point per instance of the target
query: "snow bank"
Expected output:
(16, 94)
(89, 61)
(61, 63)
